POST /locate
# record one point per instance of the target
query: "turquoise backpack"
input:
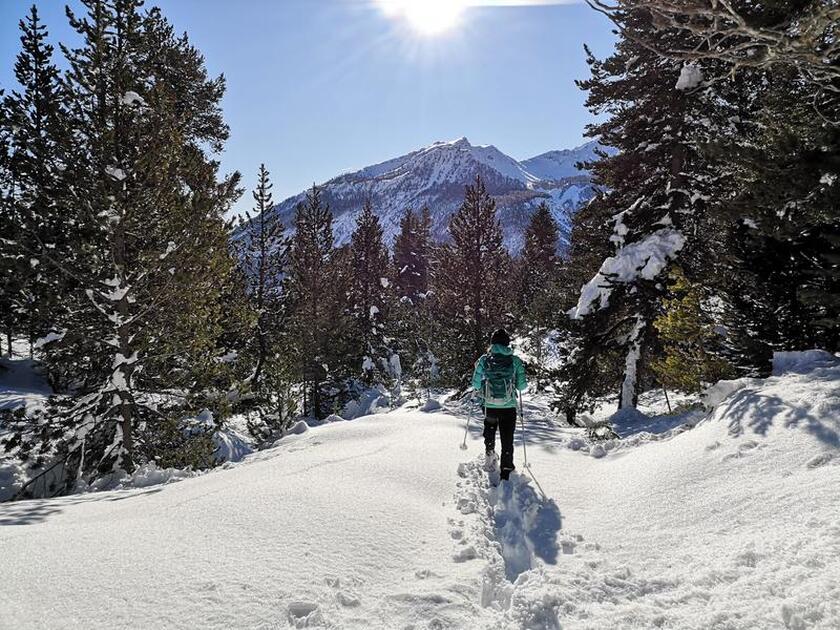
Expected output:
(499, 378)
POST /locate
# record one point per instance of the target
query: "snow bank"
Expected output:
(150, 475)
(731, 524)
(146, 475)
(798, 362)
(369, 402)
(297, 428)
(802, 404)
(802, 362)
(231, 446)
(720, 391)
(431, 404)
(315, 422)
(340, 527)
(12, 478)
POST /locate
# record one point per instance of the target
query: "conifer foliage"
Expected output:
(537, 287)
(411, 323)
(472, 280)
(318, 317)
(36, 226)
(712, 243)
(369, 260)
(141, 309)
(411, 255)
(262, 255)
(647, 195)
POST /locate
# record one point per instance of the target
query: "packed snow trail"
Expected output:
(383, 522)
(343, 526)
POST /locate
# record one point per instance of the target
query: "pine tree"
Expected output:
(262, 255)
(39, 225)
(538, 271)
(411, 255)
(8, 288)
(591, 364)
(591, 368)
(412, 326)
(317, 297)
(368, 294)
(471, 280)
(782, 291)
(655, 192)
(761, 158)
(262, 252)
(145, 315)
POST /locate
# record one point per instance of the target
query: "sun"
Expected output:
(426, 17)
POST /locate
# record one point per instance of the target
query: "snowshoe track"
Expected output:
(509, 527)
(517, 534)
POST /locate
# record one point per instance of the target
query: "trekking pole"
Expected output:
(525, 464)
(524, 437)
(467, 428)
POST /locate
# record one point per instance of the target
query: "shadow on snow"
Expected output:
(32, 511)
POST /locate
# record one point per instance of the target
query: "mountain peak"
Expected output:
(558, 164)
(458, 142)
(434, 176)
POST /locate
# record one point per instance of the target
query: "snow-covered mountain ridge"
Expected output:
(435, 176)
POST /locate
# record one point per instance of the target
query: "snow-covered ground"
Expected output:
(383, 522)
(21, 385)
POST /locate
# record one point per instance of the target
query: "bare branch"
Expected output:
(809, 42)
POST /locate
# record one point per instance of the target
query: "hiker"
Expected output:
(497, 376)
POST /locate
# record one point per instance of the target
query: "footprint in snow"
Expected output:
(466, 505)
(820, 460)
(348, 600)
(304, 614)
(465, 554)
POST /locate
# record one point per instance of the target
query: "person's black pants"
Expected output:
(505, 420)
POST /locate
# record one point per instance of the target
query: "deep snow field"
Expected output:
(384, 522)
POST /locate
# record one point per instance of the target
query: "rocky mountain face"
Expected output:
(435, 176)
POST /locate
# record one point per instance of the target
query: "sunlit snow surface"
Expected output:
(383, 522)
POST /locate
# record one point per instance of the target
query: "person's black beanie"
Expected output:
(500, 337)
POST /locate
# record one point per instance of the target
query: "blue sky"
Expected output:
(317, 87)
